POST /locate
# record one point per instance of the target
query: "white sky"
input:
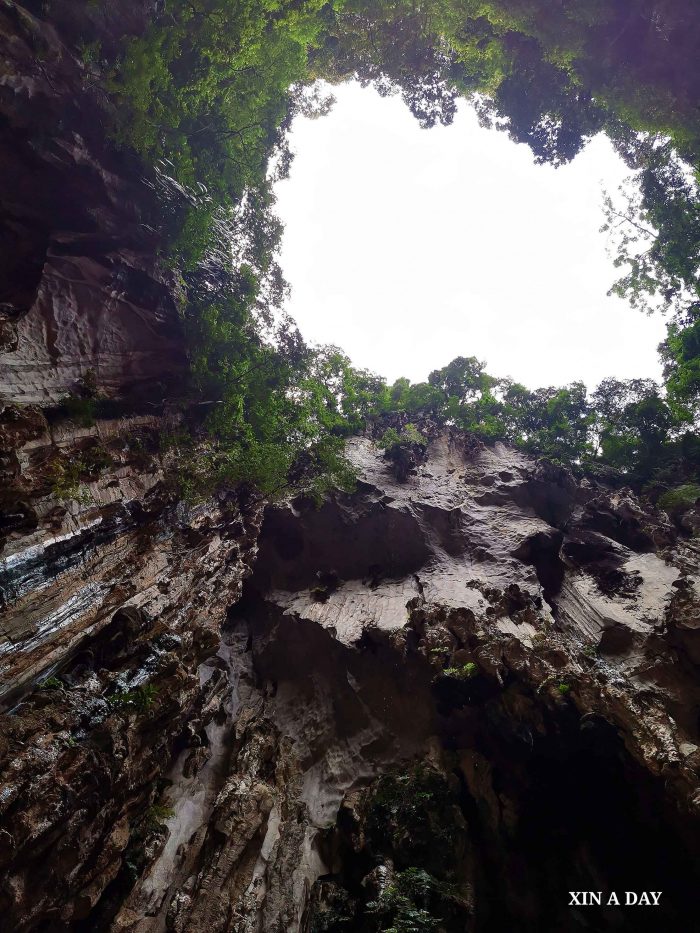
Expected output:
(407, 247)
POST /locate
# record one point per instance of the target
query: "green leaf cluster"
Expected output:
(681, 498)
(405, 903)
(140, 699)
(466, 672)
(205, 95)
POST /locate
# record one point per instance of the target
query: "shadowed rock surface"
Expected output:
(470, 629)
(80, 284)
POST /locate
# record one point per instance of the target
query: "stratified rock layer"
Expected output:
(114, 603)
(525, 640)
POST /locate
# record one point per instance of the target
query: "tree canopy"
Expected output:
(205, 96)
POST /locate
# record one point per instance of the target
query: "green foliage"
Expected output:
(553, 422)
(319, 593)
(155, 817)
(80, 410)
(204, 97)
(409, 434)
(139, 700)
(51, 683)
(90, 52)
(208, 88)
(334, 916)
(563, 688)
(96, 459)
(680, 353)
(634, 424)
(626, 424)
(66, 475)
(66, 482)
(403, 904)
(172, 440)
(82, 405)
(414, 813)
(656, 230)
(466, 672)
(277, 424)
(617, 54)
(390, 438)
(680, 499)
(412, 435)
(414, 830)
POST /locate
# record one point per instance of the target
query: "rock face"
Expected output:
(492, 637)
(112, 592)
(80, 286)
(458, 696)
(114, 597)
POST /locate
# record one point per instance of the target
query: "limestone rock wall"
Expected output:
(81, 288)
(114, 594)
(203, 703)
(475, 623)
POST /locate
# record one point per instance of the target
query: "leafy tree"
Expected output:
(205, 96)
(208, 87)
(396, 47)
(554, 422)
(541, 105)
(634, 425)
(678, 500)
(657, 230)
(463, 379)
(680, 353)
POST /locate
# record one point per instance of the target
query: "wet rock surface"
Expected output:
(81, 287)
(185, 751)
(538, 662)
(420, 633)
(114, 603)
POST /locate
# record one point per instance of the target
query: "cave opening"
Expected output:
(522, 831)
(520, 801)
(586, 820)
(411, 248)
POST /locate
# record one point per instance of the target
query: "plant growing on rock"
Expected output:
(409, 434)
(678, 500)
(96, 459)
(81, 406)
(416, 813)
(405, 903)
(140, 700)
(51, 683)
(66, 485)
(405, 449)
(465, 672)
(80, 410)
(155, 817)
